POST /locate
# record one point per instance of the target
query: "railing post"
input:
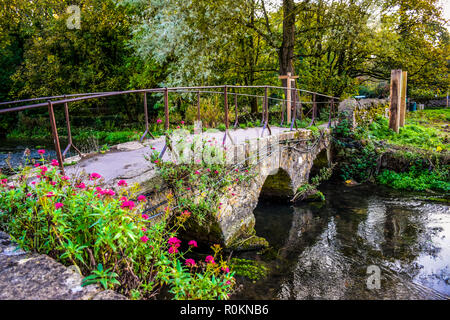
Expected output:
(166, 109)
(266, 103)
(69, 132)
(236, 121)
(331, 111)
(198, 105)
(313, 110)
(225, 92)
(263, 112)
(147, 128)
(294, 116)
(55, 136)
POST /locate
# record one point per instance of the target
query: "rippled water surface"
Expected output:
(322, 251)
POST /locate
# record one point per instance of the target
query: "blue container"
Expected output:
(413, 106)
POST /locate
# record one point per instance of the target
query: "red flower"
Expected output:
(81, 186)
(95, 176)
(122, 183)
(144, 239)
(193, 243)
(210, 259)
(190, 262)
(58, 205)
(128, 204)
(141, 198)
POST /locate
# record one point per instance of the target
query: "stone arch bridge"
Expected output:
(281, 162)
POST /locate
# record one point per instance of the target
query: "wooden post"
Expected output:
(395, 97)
(289, 78)
(403, 99)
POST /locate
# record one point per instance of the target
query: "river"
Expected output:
(330, 250)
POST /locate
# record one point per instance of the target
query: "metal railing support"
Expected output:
(59, 156)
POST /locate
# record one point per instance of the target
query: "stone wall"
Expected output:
(363, 111)
(234, 224)
(32, 276)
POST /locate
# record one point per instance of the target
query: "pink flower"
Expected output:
(41, 151)
(53, 183)
(226, 270)
(172, 250)
(123, 199)
(36, 165)
(144, 239)
(122, 183)
(28, 194)
(186, 214)
(144, 216)
(81, 186)
(50, 194)
(144, 229)
(128, 204)
(182, 122)
(178, 127)
(190, 262)
(174, 241)
(209, 170)
(210, 259)
(58, 205)
(197, 172)
(192, 243)
(233, 194)
(216, 171)
(65, 178)
(55, 163)
(95, 176)
(141, 198)
(228, 282)
(109, 192)
(156, 161)
(188, 188)
(159, 121)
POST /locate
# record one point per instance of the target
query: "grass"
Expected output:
(424, 134)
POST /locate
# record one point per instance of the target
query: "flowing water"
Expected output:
(323, 251)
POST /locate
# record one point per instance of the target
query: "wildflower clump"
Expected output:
(106, 233)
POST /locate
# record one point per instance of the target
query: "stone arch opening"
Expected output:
(319, 162)
(273, 213)
(277, 187)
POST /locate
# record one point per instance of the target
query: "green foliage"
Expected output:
(417, 179)
(251, 269)
(415, 135)
(106, 278)
(103, 233)
(209, 182)
(309, 189)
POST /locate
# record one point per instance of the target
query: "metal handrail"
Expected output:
(66, 99)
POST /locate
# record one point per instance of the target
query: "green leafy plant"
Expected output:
(103, 276)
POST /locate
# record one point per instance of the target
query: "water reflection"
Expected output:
(326, 249)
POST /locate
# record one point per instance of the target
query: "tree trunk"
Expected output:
(286, 52)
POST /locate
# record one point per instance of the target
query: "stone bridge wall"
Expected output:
(363, 111)
(292, 152)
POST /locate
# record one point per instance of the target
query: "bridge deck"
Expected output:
(129, 159)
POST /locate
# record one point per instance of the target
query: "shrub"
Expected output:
(103, 233)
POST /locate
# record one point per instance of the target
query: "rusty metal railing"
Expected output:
(225, 90)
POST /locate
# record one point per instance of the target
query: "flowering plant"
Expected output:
(78, 222)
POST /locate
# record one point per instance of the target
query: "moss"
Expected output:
(251, 269)
(246, 239)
